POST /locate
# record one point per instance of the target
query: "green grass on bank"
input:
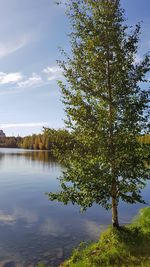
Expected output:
(129, 246)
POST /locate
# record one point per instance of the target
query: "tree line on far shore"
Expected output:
(49, 139)
(57, 141)
(10, 142)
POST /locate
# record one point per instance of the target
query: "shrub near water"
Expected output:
(129, 246)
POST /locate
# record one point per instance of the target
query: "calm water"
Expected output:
(33, 229)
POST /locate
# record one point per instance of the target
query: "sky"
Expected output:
(31, 33)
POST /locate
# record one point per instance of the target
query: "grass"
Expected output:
(124, 247)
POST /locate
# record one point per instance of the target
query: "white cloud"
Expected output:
(20, 81)
(34, 80)
(53, 73)
(10, 78)
(12, 46)
(23, 125)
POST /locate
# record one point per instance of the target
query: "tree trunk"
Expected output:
(112, 148)
(115, 222)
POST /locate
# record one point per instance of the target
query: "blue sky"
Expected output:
(30, 34)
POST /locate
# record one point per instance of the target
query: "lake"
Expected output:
(33, 229)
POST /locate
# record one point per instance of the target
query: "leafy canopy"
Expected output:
(106, 107)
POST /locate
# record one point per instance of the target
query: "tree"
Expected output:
(106, 108)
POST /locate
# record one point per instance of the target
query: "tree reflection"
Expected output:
(43, 157)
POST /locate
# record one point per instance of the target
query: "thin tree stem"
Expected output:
(112, 150)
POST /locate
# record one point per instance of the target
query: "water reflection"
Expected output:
(33, 229)
(43, 157)
(1, 157)
(6, 219)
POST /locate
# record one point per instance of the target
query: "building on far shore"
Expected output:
(2, 134)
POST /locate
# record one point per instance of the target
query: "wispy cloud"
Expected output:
(10, 47)
(53, 73)
(23, 125)
(34, 80)
(10, 78)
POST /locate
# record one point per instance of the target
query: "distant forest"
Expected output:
(52, 139)
(10, 142)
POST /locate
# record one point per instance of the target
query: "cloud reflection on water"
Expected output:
(6, 219)
(51, 227)
(93, 229)
(18, 214)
